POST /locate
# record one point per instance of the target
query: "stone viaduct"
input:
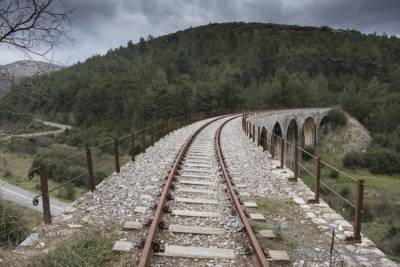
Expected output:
(294, 125)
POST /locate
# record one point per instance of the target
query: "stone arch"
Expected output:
(309, 133)
(324, 120)
(324, 127)
(263, 137)
(275, 140)
(292, 131)
(292, 134)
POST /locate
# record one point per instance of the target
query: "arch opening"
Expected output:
(325, 120)
(292, 134)
(309, 133)
(275, 140)
(324, 128)
(263, 137)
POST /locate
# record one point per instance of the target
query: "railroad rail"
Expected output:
(198, 155)
(120, 151)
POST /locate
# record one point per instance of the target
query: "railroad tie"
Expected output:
(197, 252)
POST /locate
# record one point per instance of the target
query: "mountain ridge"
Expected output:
(224, 66)
(20, 69)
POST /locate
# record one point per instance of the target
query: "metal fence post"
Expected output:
(358, 209)
(258, 136)
(116, 154)
(254, 133)
(45, 194)
(89, 162)
(282, 152)
(249, 130)
(132, 146)
(296, 162)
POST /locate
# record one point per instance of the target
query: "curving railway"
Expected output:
(199, 215)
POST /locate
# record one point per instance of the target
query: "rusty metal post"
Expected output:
(282, 152)
(258, 136)
(296, 162)
(265, 145)
(132, 146)
(254, 133)
(45, 194)
(250, 130)
(358, 210)
(89, 161)
(116, 154)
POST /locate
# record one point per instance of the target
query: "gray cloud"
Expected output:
(98, 25)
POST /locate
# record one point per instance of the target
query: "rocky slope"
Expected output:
(353, 137)
(21, 69)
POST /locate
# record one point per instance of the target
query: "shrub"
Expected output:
(22, 146)
(13, 228)
(333, 174)
(382, 161)
(380, 140)
(353, 159)
(395, 244)
(345, 192)
(100, 175)
(367, 215)
(7, 173)
(63, 171)
(337, 117)
(309, 149)
(392, 231)
(67, 192)
(92, 249)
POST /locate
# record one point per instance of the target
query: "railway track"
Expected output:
(199, 217)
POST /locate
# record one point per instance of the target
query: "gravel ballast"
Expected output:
(306, 228)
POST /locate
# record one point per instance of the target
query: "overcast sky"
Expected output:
(98, 25)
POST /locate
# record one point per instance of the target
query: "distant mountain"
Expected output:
(17, 70)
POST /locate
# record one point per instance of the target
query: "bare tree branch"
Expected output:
(34, 26)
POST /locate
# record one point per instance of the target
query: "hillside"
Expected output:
(20, 69)
(220, 66)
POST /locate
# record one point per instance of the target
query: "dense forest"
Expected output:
(225, 66)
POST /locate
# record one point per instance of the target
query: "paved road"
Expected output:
(54, 124)
(21, 196)
(24, 198)
(61, 128)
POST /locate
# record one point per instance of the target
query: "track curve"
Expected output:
(183, 167)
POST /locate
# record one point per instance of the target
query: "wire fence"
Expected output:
(94, 164)
(340, 190)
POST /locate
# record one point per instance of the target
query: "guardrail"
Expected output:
(124, 148)
(291, 154)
